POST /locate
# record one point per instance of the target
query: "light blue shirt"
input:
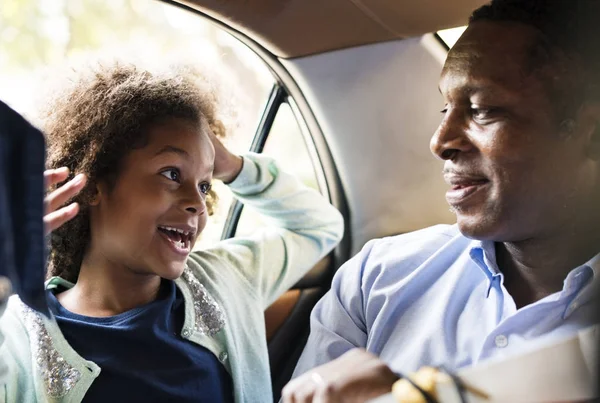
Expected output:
(435, 297)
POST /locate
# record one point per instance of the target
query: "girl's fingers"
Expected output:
(57, 218)
(54, 176)
(64, 193)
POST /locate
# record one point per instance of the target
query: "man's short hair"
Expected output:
(571, 27)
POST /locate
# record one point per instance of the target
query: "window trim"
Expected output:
(277, 96)
(311, 149)
(334, 184)
(440, 40)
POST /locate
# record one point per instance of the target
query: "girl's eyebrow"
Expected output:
(172, 149)
(179, 151)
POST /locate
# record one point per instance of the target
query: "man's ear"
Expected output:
(589, 126)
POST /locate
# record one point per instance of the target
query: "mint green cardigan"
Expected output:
(226, 289)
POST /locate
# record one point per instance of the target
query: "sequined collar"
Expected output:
(208, 316)
(58, 376)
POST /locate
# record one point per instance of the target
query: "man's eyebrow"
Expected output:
(479, 88)
(485, 89)
(172, 149)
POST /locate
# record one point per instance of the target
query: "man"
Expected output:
(520, 137)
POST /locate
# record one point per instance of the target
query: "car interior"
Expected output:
(361, 77)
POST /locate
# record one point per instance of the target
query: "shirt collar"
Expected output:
(583, 283)
(580, 285)
(483, 253)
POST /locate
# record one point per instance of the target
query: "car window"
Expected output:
(39, 38)
(288, 145)
(450, 36)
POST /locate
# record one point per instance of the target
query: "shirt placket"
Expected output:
(506, 309)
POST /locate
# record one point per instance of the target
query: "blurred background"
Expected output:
(40, 39)
(39, 36)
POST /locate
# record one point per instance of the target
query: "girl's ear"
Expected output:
(99, 191)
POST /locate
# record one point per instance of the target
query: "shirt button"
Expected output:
(223, 356)
(186, 332)
(501, 341)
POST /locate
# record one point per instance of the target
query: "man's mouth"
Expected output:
(468, 183)
(180, 239)
(463, 188)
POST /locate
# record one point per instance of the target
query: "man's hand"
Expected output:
(355, 377)
(227, 164)
(55, 215)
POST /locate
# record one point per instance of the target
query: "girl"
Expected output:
(137, 317)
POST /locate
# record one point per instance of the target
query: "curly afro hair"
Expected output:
(569, 31)
(94, 122)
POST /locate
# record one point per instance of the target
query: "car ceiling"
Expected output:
(294, 28)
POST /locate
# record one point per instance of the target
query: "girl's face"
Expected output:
(149, 220)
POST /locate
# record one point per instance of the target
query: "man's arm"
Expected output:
(337, 322)
(356, 377)
(335, 367)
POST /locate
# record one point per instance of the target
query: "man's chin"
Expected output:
(476, 227)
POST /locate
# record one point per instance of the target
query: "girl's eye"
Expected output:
(171, 174)
(205, 187)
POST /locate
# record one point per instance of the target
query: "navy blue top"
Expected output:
(142, 356)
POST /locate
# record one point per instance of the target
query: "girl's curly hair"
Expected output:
(94, 122)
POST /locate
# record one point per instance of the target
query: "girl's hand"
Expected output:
(227, 164)
(55, 215)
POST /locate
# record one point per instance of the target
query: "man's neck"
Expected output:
(106, 289)
(536, 268)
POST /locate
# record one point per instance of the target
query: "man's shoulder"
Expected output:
(399, 255)
(430, 234)
(416, 242)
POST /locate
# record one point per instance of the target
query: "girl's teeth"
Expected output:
(180, 231)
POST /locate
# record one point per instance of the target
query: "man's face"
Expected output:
(513, 174)
(150, 219)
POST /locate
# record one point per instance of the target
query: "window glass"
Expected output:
(39, 38)
(287, 144)
(450, 36)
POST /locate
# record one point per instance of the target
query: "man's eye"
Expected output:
(171, 174)
(205, 187)
(481, 113)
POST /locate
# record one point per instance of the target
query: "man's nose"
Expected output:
(450, 139)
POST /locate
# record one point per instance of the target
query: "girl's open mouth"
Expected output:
(179, 240)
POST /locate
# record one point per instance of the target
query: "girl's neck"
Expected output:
(107, 289)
